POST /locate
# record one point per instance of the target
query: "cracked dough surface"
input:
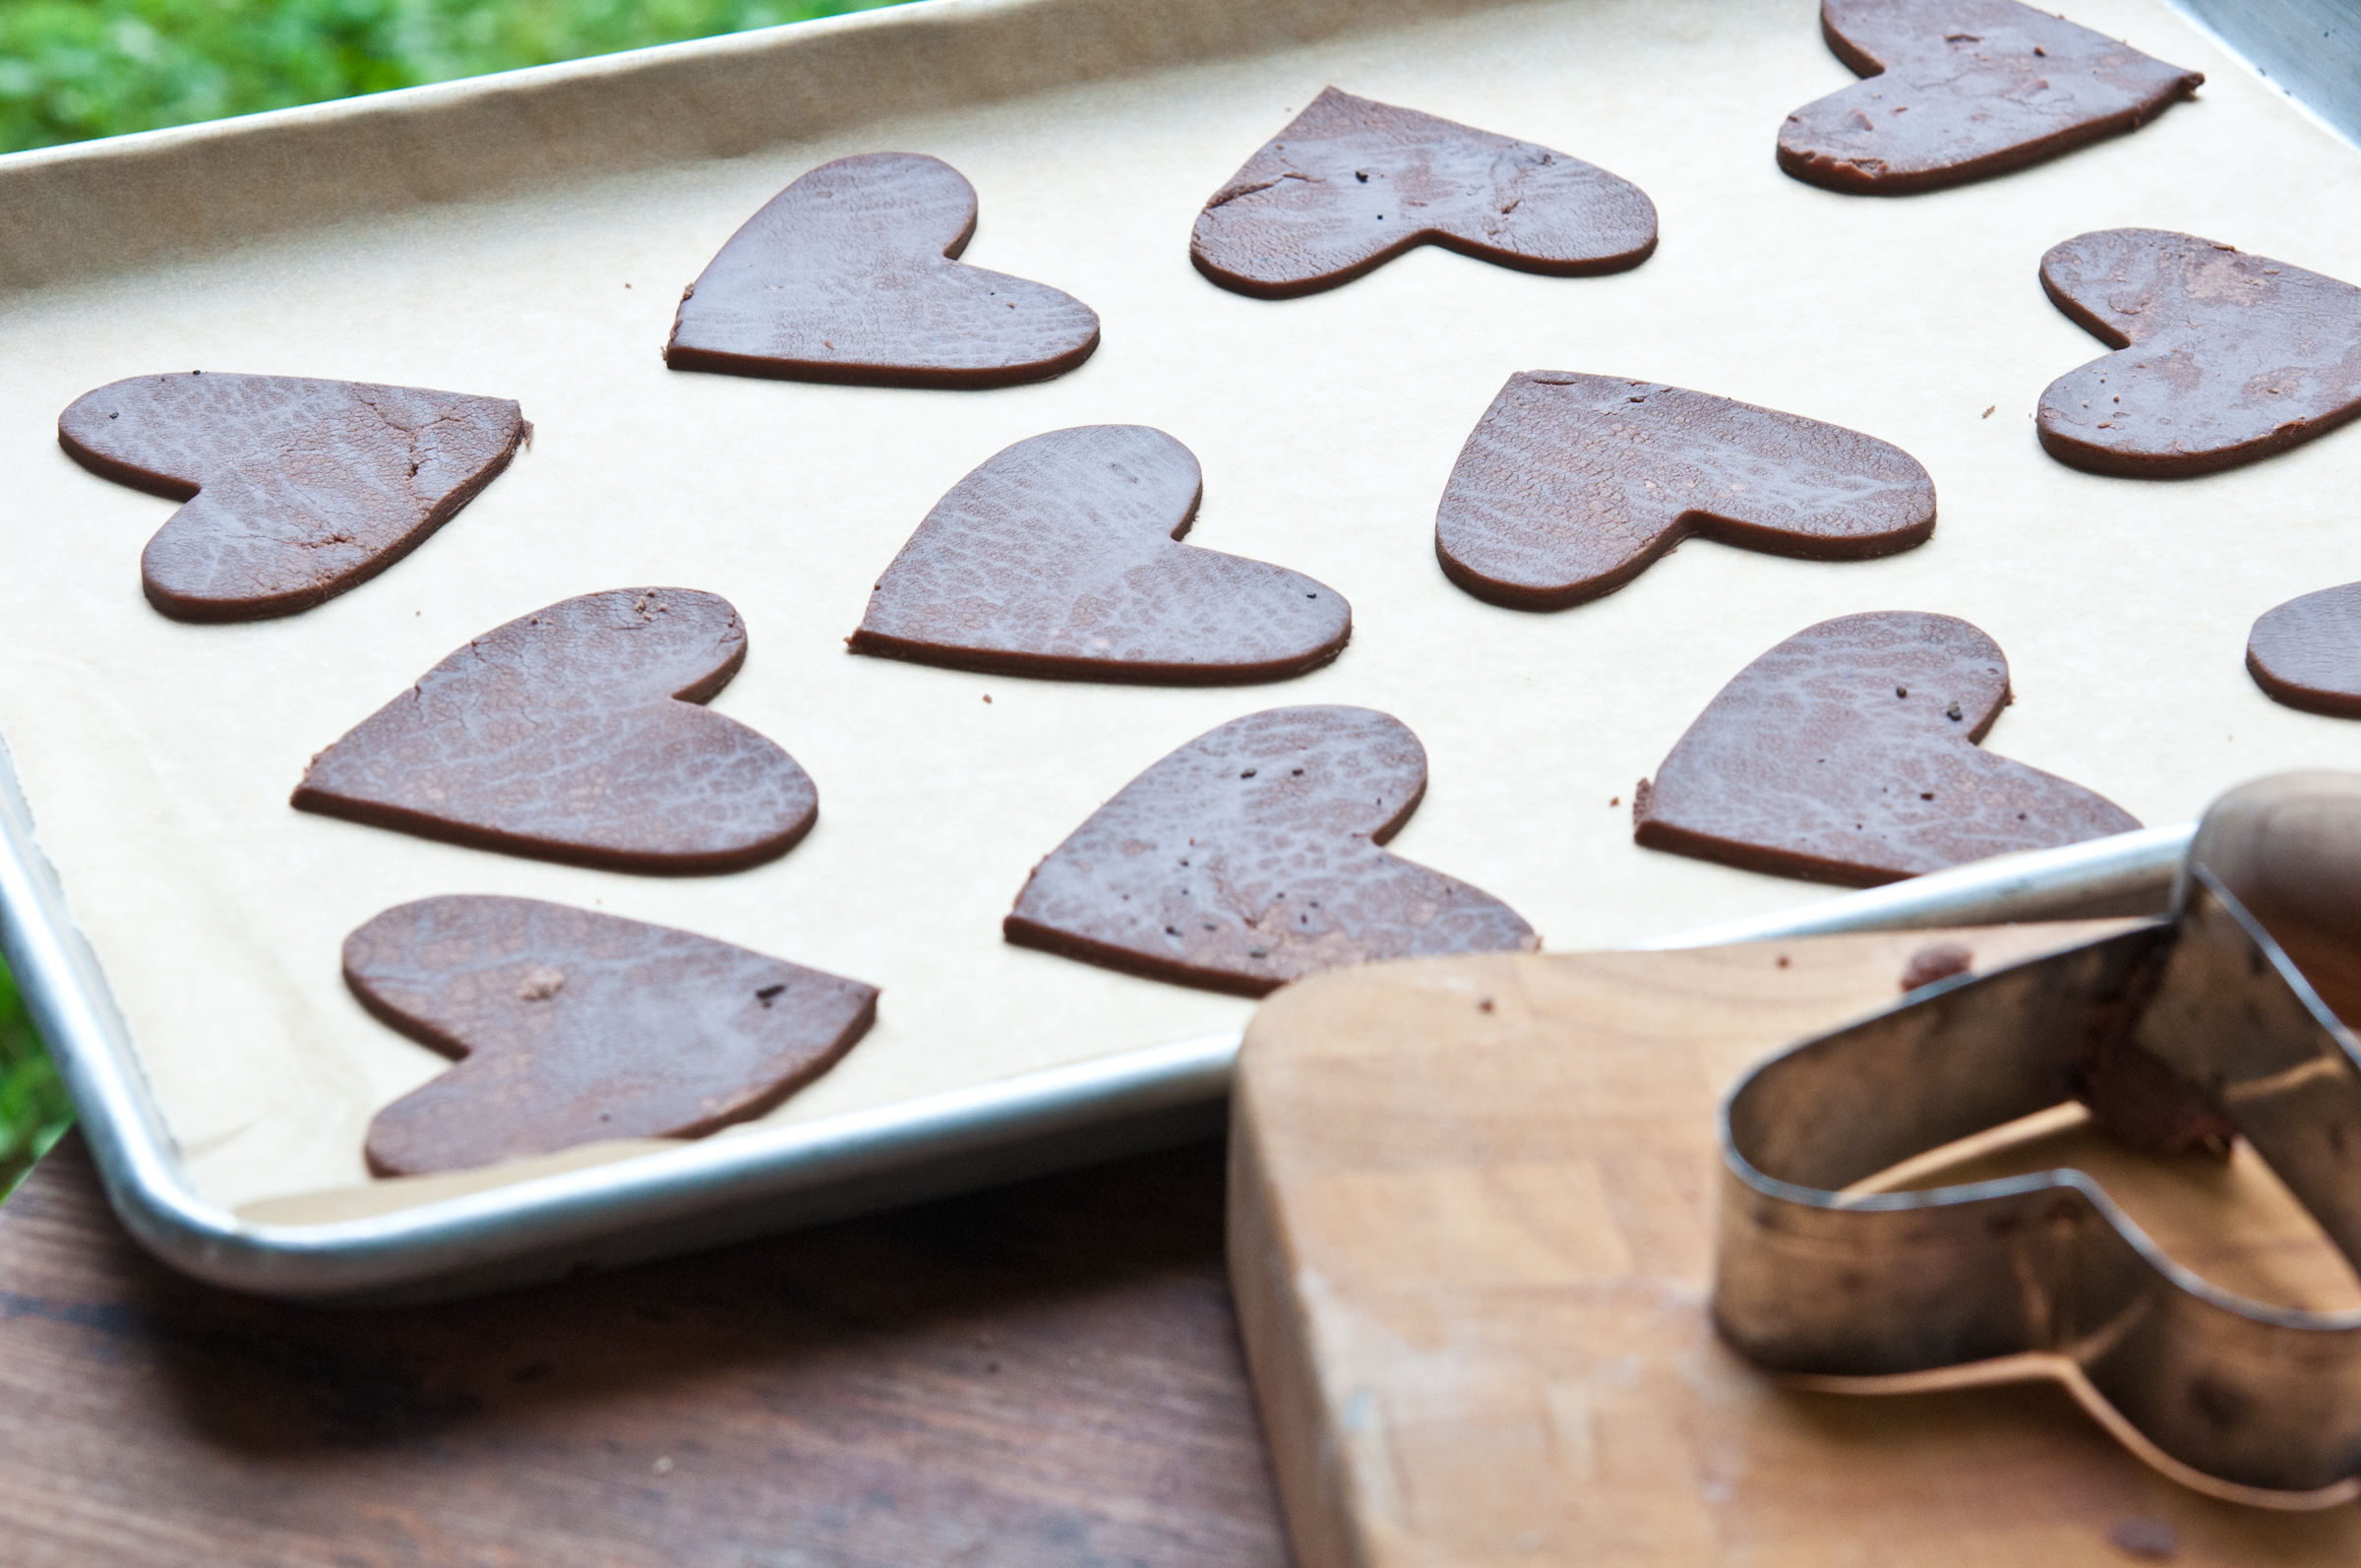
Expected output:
(297, 489)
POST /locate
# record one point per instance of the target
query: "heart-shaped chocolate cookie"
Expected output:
(1248, 858)
(2307, 652)
(1960, 90)
(297, 490)
(571, 1026)
(851, 274)
(2221, 358)
(1351, 184)
(574, 734)
(1059, 558)
(1848, 753)
(1573, 484)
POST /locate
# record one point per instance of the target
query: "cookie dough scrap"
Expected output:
(2221, 357)
(1250, 857)
(1352, 183)
(1963, 90)
(571, 1027)
(297, 490)
(852, 276)
(1060, 558)
(1848, 753)
(1571, 485)
(577, 734)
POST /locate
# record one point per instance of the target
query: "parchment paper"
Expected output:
(157, 757)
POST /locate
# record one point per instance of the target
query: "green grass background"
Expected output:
(33, 1105)
(75, 69)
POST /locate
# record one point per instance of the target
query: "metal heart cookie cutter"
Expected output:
(2183, 1033)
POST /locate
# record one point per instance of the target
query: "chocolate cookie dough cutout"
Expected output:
(1059, 558)
(2307, 652)
(574, 734)
(1351, 184)
(1963, 90)
(1849, 754)
(2221, 357)
(852, 276)
(571, 1027)
(1572, 485)
(297, 490)
(1248, 858)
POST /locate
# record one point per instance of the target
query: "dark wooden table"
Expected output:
(1043, 1374)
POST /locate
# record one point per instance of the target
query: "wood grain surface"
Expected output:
(1470, 1238)
(1044, 1374)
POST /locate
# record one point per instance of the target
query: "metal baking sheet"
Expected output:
(176, 926)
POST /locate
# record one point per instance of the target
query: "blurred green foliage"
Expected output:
(75, 69)
(32, 1102)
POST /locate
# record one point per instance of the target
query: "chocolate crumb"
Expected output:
(541, 983)
(1936, 961)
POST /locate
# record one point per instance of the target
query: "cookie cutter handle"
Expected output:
(2288, 848)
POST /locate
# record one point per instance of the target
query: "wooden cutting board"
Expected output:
(1470, 1236)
